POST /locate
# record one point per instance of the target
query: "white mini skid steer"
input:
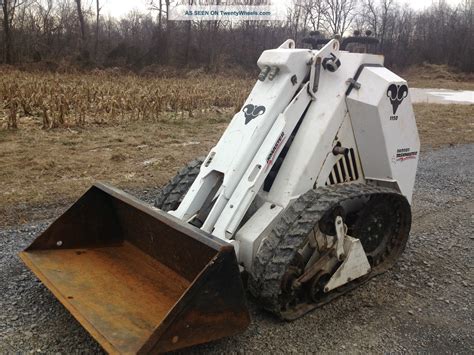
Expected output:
(308, 192)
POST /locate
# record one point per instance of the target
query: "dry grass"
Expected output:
(438, 77)
(440, 125)
(38, 166)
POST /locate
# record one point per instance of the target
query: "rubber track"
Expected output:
(278, 249)
(171, 195)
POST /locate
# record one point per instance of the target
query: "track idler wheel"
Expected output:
(381, 227)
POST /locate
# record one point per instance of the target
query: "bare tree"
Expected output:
(97, 13)
(189, 25)
(161, 38)
(315, 10)
(377, 16)
(7, 31)
(339, 15)
(370, 13)
(386, 6)
(82, 26)
(9, 7)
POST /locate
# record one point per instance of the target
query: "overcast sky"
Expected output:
(119, 8)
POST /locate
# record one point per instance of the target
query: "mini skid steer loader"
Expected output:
(308, 192)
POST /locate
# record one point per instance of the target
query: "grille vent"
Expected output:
(345, 170)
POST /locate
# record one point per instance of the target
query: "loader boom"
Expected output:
(278, 105)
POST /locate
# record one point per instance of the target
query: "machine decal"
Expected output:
(252, 111)
(396, 94)
(275, 149)
(405, 154)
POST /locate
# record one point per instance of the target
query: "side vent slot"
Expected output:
(345, 169)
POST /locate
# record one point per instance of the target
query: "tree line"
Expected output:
(78, 33)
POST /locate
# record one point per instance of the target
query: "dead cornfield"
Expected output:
(64, 100)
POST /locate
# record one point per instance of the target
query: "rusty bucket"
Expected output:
(138, 279)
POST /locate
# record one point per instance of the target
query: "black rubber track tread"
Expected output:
(171, 195)
(278, 249)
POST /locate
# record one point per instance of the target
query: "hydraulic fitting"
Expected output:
(263, 73)
(273, 72)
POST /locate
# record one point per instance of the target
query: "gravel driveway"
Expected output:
(424, 304)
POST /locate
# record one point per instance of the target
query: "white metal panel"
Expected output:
(385, 128)
(251, 234)
(354, 266)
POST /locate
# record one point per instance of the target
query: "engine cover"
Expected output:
(385, 128)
